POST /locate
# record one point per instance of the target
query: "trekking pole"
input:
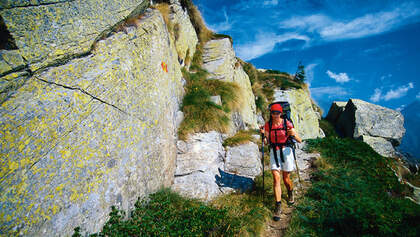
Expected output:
(262, 162)
(297, 167)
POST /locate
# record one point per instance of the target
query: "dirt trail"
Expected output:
(304, 160)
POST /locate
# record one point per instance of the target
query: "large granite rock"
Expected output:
(198, 163)
(219, 59)
(362, 118)
(94, 132)
(302, 114)
(335, 111)
(52, 31)
(380, 127)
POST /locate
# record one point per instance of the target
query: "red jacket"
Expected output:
(281, 134)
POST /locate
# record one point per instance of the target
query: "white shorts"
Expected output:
(288, 164)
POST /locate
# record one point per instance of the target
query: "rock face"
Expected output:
(219, 59)
(380, 127)
(205, 170)
(335, 111)
(303, 115)
(96, 131)
(198, 163)
(49, 33)
(243, 160)
(186, 37)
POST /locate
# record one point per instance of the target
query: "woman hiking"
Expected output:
(280, 131)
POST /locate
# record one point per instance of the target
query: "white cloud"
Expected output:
(340, 78)
(310, 23)
(265, 43)
(330, 91)
(309, 71)
(391, 94)
(401, 108)
(370, 24)
(399, 92)
(376, 95)
(271, 3)
(222, 26)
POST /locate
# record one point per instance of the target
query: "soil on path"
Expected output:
(305, 163)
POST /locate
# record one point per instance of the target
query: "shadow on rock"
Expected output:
(228, 181)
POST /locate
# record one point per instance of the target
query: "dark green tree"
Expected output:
(300, 73)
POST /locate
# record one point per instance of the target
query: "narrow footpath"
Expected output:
(304, 161)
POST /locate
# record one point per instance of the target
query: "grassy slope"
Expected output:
(354, 193)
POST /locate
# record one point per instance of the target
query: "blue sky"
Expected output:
(367, 49)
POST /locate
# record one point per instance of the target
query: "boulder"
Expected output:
(198, 163)
(361, 118)
(92, 132)
(243, 160)
(335, 111)
(302, 114)
(380, 145)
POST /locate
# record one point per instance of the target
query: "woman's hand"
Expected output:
(291, 132)
(262, 130)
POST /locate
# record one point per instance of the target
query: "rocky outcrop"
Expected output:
(335, 111)
(205, 170)
(50, 32)
(96, 131)
(199, 160)
(380, 127)
(302, 114)
(185, 36)
(219, 59)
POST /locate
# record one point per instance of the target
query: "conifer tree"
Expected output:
(300, 73)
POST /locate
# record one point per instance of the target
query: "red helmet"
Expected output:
(276, 108)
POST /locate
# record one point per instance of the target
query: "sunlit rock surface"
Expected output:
(97, 131)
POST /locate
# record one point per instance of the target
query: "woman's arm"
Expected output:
(292, 132)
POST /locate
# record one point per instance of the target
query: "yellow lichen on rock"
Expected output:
(45, 34)
(76, 137)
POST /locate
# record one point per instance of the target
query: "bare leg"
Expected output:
(287, 181)
(276, 185)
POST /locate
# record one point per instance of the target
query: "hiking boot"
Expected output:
(277, 211)
(291, 196)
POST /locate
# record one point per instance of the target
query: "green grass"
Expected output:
(241, 137)
(354, 193)
(166, 213)
(201, 114)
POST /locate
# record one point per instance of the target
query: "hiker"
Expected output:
(282, 159)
